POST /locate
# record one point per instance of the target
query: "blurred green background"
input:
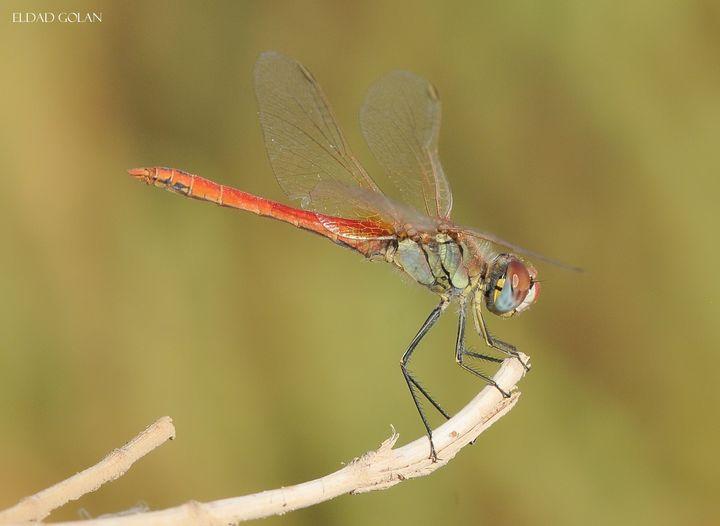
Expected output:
(585, 130)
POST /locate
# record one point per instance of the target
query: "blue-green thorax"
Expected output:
(441, 263)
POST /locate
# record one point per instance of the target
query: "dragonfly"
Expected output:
(313, 163)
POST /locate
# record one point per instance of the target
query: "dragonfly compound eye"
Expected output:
(512, 286)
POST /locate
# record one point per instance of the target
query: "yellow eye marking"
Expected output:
(498, 288)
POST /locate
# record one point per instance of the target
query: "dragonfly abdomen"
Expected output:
(196, 187)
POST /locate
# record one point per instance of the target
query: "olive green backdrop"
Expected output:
(585, 130)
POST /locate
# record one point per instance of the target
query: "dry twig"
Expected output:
(375, 470)
(37, 507)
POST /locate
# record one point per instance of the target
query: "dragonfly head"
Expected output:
(511, 286)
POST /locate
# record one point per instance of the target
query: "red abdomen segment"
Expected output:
(367, 237)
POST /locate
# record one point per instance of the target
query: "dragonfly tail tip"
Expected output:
(138, 172)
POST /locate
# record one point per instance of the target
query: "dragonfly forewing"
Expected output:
(304, 143)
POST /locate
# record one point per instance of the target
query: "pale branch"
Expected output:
(37, 507)
(375, 470)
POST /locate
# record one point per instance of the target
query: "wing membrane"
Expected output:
(303, 140)
(372, 208)
(401, 123)
(492, 238)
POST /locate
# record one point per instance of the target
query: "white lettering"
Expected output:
(47, 17)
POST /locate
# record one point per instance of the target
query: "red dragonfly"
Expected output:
(313, 163)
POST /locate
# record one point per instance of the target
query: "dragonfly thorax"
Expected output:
(437, 262)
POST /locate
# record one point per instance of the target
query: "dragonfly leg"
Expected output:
(461, 352)
(412, 383)
(493, 342)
